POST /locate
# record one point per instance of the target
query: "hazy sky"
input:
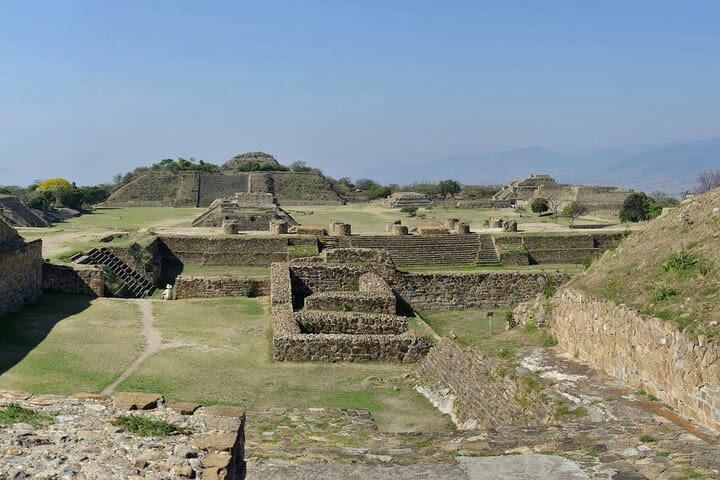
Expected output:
(90, 88)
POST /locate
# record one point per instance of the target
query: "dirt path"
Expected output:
(153, 344)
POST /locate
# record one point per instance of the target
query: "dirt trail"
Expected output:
(153, 344)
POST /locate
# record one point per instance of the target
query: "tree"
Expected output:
(365, 184)
(54, 184)
(299, 166)
(636, 207)
(449, 187)
(347, 182)
(539, 205)
(410, 210)
(708, 180)
(573, 211)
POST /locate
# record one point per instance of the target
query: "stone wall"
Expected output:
(471, 290)
(231, 250)
(20, 275)
(78, 279)
(187, 286)
(480, 388)
(541, 249)
(350, 322)
(351, 301)
(644, 351)
(290, 344)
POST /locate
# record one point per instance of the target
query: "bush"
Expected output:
(636, 207)
(539, 205)
(665, 293)
(42, 201)
(682, 261)
(411, 211)
(573, 211)
(249, 289)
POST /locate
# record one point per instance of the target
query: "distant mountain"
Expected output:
(672, 168)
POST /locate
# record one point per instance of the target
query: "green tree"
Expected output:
(636, 207)
(299, 166)
(449, 187)
(539, 205)
(573, 211)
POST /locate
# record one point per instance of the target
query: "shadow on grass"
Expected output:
(22, 331)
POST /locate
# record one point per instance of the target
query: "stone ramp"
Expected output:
(17, 214)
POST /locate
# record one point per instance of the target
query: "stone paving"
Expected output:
(616, 434)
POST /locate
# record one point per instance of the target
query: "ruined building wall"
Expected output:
(644, 351)
(20, 274)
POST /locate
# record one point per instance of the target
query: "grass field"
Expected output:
(84, 232)
(472, 327)
(68, 343)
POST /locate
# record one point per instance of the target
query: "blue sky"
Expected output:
(89, 89)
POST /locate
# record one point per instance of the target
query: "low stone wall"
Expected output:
(481, 387)
(644, 351)
(373, 295)
(20, 275)
(187, 286)
(315, 322)
(78, 279)
(350, 301)
(540, 249)
(309, 278)
(471, 290)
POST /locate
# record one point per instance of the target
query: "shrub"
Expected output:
(573, 211)
(550, 287)
(14, 413)
(665, 293)
(449, 187)
(147, 427)
(411, 211)
(539, 205)
(249, 289)
(682, 261)
(42, 201)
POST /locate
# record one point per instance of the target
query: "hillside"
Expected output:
(669, 269)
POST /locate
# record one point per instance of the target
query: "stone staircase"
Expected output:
(427, 250)
(134, 284)
(214, 186)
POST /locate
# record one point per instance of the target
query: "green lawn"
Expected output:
(472, 327)
(216, 270)
(227, 359)
(82, 233)
(68, 343)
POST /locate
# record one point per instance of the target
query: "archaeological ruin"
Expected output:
(248, 211)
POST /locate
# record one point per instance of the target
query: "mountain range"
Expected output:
(672, 168)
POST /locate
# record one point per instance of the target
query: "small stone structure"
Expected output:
(399, 230)
(20, 269)
(249, 211)
(390, 225)
(407, 199)
(462, 229)
(278, 227)
(340, 229)
(510, 226)
(230, 227)
(496, 222)
(187, 286)
(78, 279)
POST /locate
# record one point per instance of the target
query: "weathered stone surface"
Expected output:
(184, 408)
(137, 400)
(78, 279)
(187, 286)
(20, 272)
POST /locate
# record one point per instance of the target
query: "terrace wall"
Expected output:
(349, 322)
(231, 250)
(77, 279)
(187, 286)
(644, 351)
(20, 275)
(471, 290)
